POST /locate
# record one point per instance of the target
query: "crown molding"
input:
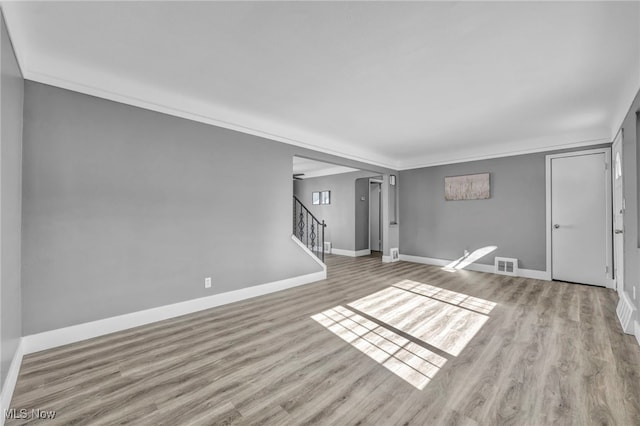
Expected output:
(625, 110)
(202, 114)
(465, 156)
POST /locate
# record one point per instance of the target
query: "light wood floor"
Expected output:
(375, 343)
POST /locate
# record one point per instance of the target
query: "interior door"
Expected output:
(618, 214)
(578, 217)
(374, 216)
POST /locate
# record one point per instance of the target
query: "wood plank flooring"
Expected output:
(374, 344)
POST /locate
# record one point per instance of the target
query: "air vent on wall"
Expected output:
(395, 254)
(626, 313)
(506, 266)
(327, 247)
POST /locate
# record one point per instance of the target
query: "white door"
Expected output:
(578, 217)
(374, 217)
(618, 214)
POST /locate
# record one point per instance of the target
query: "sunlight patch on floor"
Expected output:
(427, 313)
(469, 302)
(434, 317)
(408, 360)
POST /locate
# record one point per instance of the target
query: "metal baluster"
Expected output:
(307, 228)
(323, 225)
(301, 225)
(307, 242)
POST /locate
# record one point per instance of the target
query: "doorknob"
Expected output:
(556, 226)
(618, 231)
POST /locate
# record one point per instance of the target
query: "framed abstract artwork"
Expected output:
(467, 187)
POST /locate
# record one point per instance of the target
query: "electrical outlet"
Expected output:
(207, 282)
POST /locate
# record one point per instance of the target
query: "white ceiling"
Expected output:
(313, 168)
(399, 84)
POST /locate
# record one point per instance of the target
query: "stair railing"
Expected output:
(308, 229)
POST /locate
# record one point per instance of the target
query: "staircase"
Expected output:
(308, 229)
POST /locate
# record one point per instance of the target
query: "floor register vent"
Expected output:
(506, 266)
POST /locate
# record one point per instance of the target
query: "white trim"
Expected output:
(309, 252)
(533, 274)
(617, 284)
(76, 333)
(424, 260)
(328, 171)
(152, 99)
(625, 110)
(478, 267)
(637, 330)
(386, 259)
(471, 154)
(547, 179)
(609, 282)
(10, 381)
(350, 253)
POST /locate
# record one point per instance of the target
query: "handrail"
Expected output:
(305, 207)
(308, 229)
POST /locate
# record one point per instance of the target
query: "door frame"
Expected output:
(379, 181)
(618, 139)
(609, 282)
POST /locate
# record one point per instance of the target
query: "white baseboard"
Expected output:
(350, 253)
(424, 260)
(478, 267)
(533, 274)
(76, 333)
(637, 327)
(10, 381)
(394, 256)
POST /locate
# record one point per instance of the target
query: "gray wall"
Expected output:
(126, 209)
(11, 94)
(340, 216)
(631, 159)
(512, 219)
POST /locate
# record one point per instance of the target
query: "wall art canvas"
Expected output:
(321, 197)
(467, 187)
